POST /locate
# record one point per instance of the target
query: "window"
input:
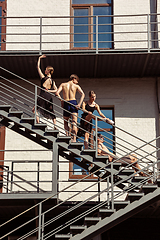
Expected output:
(2, 24)
(92, 22)
(77, 172)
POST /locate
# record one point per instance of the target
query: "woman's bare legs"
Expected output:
(86, 138)
(37, 117)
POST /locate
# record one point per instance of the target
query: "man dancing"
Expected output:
(69, 90)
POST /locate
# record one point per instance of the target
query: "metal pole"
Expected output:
(96, 34)
(55, 168)
(38, 167)
(35, 105)
(99, 189)
(12, 166)
(39, 227)
(42, 226)
(96, 137)
(108, 204)
(148, 27)
(40, 47)
(112, 196)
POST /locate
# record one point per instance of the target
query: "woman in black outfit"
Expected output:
(46, 107)
(88, 107)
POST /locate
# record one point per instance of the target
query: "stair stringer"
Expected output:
(119, 216)
(18, 124)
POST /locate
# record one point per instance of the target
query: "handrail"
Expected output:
(109, 164)
(66, 31)
(61, 227)
(117, 183)
(78, 116)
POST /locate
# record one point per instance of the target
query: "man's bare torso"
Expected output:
(69, 91)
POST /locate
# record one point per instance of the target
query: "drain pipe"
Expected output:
(157, 86)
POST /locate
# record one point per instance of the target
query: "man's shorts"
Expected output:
(70, 109)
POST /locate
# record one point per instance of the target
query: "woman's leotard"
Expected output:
(45, 107)
(86, 127)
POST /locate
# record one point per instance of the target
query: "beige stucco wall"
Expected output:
(134, 27)
(38, 8)
(135, 110)
(129, 31)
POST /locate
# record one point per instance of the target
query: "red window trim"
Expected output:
(2, 147)
(3, 29)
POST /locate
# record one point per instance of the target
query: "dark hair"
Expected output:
(99, 135)
(91, 92)
(74, 76)
(50, 69)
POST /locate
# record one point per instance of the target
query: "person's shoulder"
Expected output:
(96, 104)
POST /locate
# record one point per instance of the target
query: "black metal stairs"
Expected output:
(111, 213)
(108, 218)
(41, 135)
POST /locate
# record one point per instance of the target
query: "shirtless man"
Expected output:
(130, 159)
(69, 90)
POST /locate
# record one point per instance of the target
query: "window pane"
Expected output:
(0, 26)
(81, 28)
(104, 27)
(90, 1)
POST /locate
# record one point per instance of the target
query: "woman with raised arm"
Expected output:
(45, 107)
(86, 126)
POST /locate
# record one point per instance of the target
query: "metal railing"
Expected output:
(146, 154)
(62, 33)
(18, 99)
(111, 193)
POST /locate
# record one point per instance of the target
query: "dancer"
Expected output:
(89, 107)
(47, 85)
(130, 159)
(69, 90)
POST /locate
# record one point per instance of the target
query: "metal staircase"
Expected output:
(78, 220)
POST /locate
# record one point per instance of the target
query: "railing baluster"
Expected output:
(40, 215)
(96, 34)
(35, 105)
(40, 47)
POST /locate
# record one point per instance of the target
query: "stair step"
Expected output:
(120, 204)
(103, 159)
(77, 145)
(28, 120)
(65, 139)
(134, 196)
(91, 220)
(138, 178)
(51, 132)
(63, 236)
(148, 188)
(40, 126)
(115, 166)
(16, 114)
(5, 108)
(105, 212)
(90, 152)
(77, 229)
(126, 172)
(158, 182)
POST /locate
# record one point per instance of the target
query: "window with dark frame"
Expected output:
(88, 13)
(76, 172)
(3, 5)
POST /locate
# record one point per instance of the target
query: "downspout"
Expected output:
(158, 121)
(154, 24)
